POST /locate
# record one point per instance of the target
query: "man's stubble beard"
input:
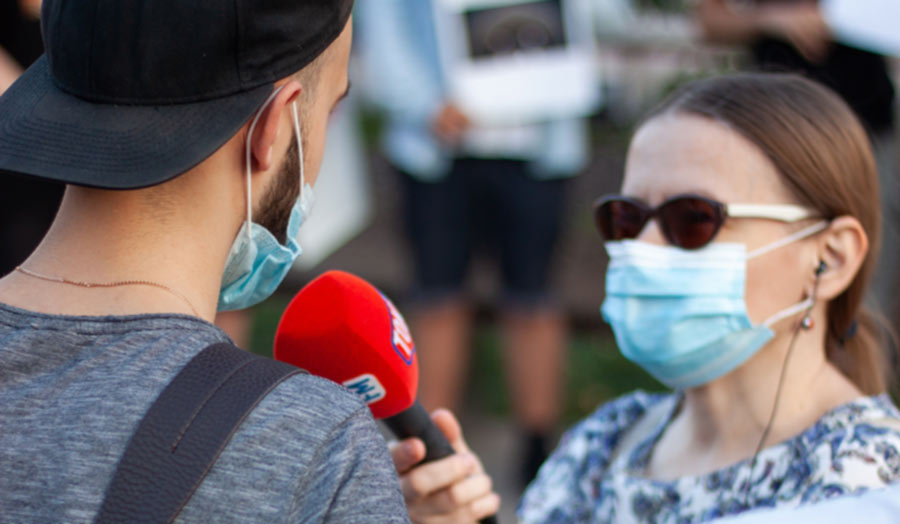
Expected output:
(279, 198)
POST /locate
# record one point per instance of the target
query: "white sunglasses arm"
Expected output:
(781, 212)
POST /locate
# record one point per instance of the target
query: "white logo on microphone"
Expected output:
(400, 337)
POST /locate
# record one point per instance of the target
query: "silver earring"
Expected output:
(807, 323)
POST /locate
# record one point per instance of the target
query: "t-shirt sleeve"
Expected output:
(860, 457)
(351, 478)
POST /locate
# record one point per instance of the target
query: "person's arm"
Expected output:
(9, 70)
(15, 13)
(398, 73)
(31, 8)
(447, 491)
(800, 24)
(721, 24)
(401, 72)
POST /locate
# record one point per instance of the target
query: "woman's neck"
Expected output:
(722, 422)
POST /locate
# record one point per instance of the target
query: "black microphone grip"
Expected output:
(415, 422)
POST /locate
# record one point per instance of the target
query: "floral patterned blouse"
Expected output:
(850, 449)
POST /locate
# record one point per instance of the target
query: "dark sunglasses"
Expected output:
(687, 221)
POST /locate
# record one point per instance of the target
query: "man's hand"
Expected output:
(449, 124)
(802, 25)
(451, 490)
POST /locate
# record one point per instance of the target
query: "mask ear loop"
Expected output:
(801, 234)
(805, 323)
(299, 145)
(247, 160)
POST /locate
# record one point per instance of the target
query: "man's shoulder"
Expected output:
(313, 453)
(304, 411)
(307, 396)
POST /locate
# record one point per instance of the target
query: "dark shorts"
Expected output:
(492, 205)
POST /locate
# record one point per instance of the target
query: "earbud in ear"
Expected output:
(807, 322)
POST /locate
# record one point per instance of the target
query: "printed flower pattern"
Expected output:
(850, 449)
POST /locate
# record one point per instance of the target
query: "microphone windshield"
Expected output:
(341, 328)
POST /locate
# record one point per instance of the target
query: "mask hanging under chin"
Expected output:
(257, 263)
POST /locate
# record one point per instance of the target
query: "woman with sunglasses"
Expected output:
(739, 250)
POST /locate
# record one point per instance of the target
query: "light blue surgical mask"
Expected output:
(257, 262)
(681, 315)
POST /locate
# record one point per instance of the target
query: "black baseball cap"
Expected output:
(131, 93)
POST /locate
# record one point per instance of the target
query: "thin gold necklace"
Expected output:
(63, 280)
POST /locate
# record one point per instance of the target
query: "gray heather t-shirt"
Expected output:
(73, 389)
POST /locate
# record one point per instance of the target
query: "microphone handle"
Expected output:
(415, 422)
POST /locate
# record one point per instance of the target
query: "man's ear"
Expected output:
(843, 248)
(268, 127)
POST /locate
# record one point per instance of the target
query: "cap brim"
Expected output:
(48, 133)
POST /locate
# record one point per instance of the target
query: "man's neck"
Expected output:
(160, 257)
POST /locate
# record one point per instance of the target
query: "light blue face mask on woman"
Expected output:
(257, 262)
(681, 315)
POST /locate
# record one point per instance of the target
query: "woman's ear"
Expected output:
(268, 127)
(842, 248)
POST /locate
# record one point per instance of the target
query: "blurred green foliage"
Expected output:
(265, 322)
(595, 372)
(677, 6)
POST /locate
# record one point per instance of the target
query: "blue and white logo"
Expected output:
(366, 387)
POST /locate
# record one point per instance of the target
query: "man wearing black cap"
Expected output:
(189, 134)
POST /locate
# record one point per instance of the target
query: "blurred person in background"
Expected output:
(469, 187)
(27, 206)
(740, 250)
(458, 199)
(793, 35)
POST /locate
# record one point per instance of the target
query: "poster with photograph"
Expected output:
(512, 62)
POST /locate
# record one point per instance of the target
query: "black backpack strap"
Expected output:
(185, 431)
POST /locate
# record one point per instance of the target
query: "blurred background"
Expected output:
(638, 51)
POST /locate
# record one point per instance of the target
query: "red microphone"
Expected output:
(341, 328)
